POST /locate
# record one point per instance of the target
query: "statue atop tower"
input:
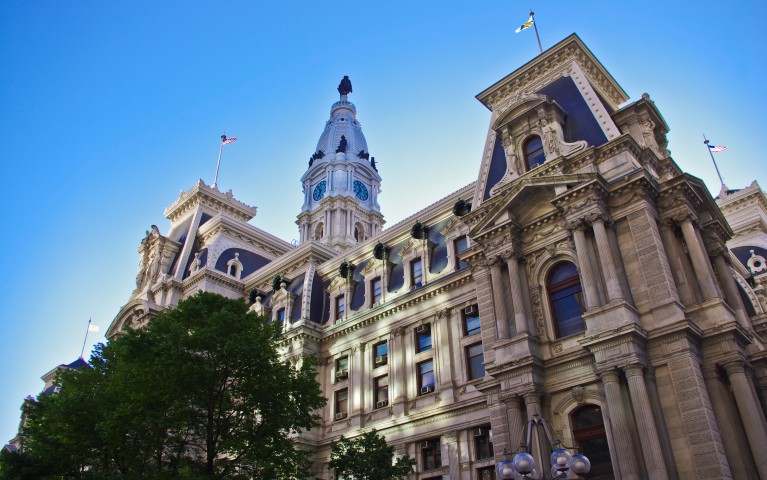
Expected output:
(342, 183)
(345, 87)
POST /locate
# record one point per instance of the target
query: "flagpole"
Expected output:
(705, 141)
(218, 164)
(535, 26)
(87, 329)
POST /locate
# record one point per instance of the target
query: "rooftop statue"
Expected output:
(345, 87)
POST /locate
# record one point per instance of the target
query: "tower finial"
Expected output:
(345, 87)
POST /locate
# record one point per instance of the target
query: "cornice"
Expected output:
(202, 194)
(219, 278)
(553, 63)
(244, 232)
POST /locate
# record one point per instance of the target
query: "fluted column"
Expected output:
(516, 422)
(749, 415)
(520, 317)
(700, 262)
(444, 349)
(674, 256)
(731, 294)
(735, 444)
(625, 454)
(356, 387)
(648, 433)
(397, 382)
(591, 296)
(608, 260)
(501, 317)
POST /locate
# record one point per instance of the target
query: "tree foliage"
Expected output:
(201, 392)
(368, 457)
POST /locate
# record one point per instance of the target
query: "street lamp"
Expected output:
(522, 465)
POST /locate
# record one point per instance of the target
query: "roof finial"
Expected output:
(345, 87)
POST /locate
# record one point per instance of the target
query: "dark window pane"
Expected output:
(471, 324)
(376, 288)
(426, 374)
(475, 359)
(534, 155)
(461, 244)
(565, 296)
(416, 269)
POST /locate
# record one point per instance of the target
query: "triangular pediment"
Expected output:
(526, 200)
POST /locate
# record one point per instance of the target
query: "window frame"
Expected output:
(431, 457)
(465, 323)
(419, 348)
(552, 289)
(419, 282)
(422, 375)
(340, 306)
(483, 444)
(373, 297)
(536, 154)
(470, 373)
(375, 351)
(342, 361)
(340, 405)
(460, 264)
(380, 392)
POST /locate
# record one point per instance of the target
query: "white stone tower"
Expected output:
(342, 184)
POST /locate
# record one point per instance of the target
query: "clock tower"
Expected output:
(342, 184)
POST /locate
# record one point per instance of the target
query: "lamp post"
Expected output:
(522, 465)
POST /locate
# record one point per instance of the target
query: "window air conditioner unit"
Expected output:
(422, 328)
(471, 310)
(382, 403)
(479, 432)
(381, 359)
(340, 415)
(425, 444)
(427, 389)
(342, 375)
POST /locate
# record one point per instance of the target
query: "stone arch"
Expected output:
(542, 315)
(319, 231)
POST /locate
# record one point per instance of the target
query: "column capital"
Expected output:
(574, 224)
(532, 397)
(398, 332)
(735, 367)
(511, 401)
(596, 217)
(634, 370)
(609, 376)
(446, 312)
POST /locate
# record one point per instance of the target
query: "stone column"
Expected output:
(501, 317)
(749, 414)
(516, 422)
(538, 447)
(731, 294)
(356, 387)
(625, 454)
(735, 444)
(520, 318)
(608, 260)
(648, 434)
(588, 283)
(397, 359)
(499, 423)
(700, 262)
(443, 353)
(449, 441)
(484, 289)
(674, 256)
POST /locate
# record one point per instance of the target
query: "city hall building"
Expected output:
(581, 278)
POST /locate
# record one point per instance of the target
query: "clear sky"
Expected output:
(109, 109)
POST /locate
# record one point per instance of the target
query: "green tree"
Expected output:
(368, 457)
(200, 392)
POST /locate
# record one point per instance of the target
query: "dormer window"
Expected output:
(234, 267)
(416, 272)
(533, 149)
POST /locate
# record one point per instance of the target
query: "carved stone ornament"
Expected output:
(579, 394)
(554, 142)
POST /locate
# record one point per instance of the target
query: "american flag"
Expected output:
(717, 148)
(227, 141)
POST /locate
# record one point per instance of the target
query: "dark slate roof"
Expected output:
(497, 167)
(580, 123)
(250, 261)
(744, 253)
(77, 364)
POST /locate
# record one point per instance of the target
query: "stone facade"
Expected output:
(449, 338)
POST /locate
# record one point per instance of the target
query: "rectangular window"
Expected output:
(281, 317)
(486, 473)
(471, 320)
(342, 403)
(340, 307)
(380, 354)
(342, 368)
(376, 289)
(431, 456)
(426, 377)
(422, 338)
(474, 360)
(381, 395)
(483, 442)
(460, 245)
(416, 271)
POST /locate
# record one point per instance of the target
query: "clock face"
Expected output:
(319, 191)
(360, 190)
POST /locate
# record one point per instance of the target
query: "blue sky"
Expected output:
(109, 109)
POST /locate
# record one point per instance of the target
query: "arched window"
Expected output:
(566, 298)
(533, 149)
(319, 231)
(589, 433)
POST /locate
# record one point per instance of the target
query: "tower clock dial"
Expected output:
(360, 190)
(319, 191)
